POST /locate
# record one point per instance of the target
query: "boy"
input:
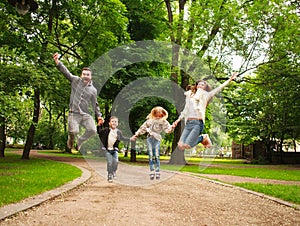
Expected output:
(110, 138)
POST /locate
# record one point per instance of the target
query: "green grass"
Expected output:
(290, 193)
(267, 172)
(232, 167)
(20, 179)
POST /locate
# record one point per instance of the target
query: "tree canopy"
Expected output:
(259, 39)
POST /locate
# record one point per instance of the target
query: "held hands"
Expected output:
(133, 138)
(175, 123)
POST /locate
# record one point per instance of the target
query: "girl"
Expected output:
(197, 100)
(155, 124)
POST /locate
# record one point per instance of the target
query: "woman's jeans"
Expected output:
(191, 132)
(153, 148)
(112, 161)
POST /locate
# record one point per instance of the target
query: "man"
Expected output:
(83, 95)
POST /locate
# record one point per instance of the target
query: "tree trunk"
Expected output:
(177, 157)
(35, 119)
(132, 152)
(68, 150)
(2, 136)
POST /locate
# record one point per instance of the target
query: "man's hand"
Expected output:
(56, 58)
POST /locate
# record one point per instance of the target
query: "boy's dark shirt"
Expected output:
(103, 135)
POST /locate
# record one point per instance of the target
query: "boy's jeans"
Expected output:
(112, 161)
(191, 132)
(153, 147)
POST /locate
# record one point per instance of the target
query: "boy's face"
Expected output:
(113, 123)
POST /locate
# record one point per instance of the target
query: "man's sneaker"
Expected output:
(114, 175)
(78, 146)
(157, 175)
(206, 141)
(110, 178)
(152, 176)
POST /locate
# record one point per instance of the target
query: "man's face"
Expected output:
(113, 123)
(86, 75)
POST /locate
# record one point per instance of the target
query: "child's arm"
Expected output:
(143, 129)
(100, 129)
(122, 137)
(168, 128)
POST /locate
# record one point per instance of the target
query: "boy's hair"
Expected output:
(113, 117)
(156, 110)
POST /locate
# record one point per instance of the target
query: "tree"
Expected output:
(73, 28)
(216, 29)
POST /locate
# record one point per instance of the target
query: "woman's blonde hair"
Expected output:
(158, 110)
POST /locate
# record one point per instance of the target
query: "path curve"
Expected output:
(181, 200)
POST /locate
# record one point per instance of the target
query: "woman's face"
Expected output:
(201, 85)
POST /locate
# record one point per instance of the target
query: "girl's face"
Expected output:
(201, 85)
(158, 115)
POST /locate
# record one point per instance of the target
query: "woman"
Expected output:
(197, 99)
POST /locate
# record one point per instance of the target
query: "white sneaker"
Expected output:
(152, 176)
(110, 178)
(157, 175)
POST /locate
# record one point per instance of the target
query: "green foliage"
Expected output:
(147, 19)
(266, 107)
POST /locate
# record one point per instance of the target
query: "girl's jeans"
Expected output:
(112, 161)
(153, 147)
(191, 132)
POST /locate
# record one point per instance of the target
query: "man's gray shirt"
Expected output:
(82, 96)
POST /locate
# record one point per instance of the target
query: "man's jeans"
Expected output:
(153, 147)
(112, 161)
(191, 132)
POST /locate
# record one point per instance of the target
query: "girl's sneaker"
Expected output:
(152, 175)
(157, 175)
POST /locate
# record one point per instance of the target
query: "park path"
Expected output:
(177, 199)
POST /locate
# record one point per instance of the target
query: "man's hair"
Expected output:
(86, 69)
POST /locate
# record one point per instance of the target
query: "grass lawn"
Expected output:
(24, 178)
